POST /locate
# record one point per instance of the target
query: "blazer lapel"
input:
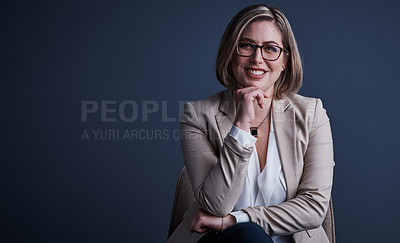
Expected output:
(284, 123)
(227, 116)
(285, 132)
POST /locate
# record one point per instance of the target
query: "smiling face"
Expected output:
(254, 70)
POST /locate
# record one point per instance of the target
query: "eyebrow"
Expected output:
(265, 42)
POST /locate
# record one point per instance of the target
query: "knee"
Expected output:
(250, 232)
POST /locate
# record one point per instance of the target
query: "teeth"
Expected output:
(256, 72)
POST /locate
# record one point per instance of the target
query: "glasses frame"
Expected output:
(281, 49)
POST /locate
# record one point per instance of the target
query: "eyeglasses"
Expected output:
(269, 52)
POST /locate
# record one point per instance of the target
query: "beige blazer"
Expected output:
(216, 164)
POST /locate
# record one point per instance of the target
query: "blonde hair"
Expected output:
(290, 79)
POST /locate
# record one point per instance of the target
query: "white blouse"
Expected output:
(261, 188)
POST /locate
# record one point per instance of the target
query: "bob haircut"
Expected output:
(290, 79)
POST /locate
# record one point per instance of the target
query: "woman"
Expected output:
(259, 156)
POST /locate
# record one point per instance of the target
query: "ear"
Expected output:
(285, 60)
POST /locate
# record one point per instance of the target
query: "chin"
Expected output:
(258, 84)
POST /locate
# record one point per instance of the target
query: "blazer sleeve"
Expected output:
(216, 175)
(308, 208)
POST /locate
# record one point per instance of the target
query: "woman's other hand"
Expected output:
(203, 222)
(246, 99)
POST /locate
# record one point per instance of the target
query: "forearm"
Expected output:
(223, 178)
(216, 174)
(305, 211)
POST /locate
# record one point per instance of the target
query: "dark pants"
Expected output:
(238, 233)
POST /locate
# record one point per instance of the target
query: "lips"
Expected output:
(256, 72)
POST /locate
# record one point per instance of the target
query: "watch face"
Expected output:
(254, 131)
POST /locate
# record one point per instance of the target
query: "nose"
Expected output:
(257, 56)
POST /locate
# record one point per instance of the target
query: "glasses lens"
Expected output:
(245, 48)
(271, 52)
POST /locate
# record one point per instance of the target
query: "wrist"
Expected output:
(242, 125)
(228, 221)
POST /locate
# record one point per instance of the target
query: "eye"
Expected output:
(271, 49)
(246, 46)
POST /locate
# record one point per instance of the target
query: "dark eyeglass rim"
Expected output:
(258, 46)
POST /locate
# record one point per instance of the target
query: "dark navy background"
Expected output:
(58, 187)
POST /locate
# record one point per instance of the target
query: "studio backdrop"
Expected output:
(92, 93)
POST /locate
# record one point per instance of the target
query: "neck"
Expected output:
(261, 113)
